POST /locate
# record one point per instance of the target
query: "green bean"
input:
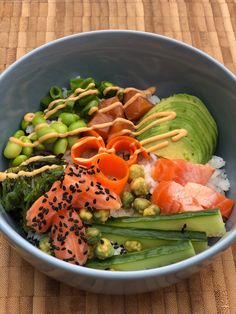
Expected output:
(24, 124)
(85, 100)
(86, 82)
(68, 118)
(19, 133)
(46, 130)
(72, 140)
(75, 83)
(27, 151)
(38, 119)
(45, 101)
(60, 146)
(84, 113)
(59, 127)
(77, 125)
(40, 147)
(18, 160)
(56, 92)
(104, 85)
(12, 150)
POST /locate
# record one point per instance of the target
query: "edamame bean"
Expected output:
(38, 119)
(40, 147)
(38, 113)
(60, 146)
(34, 137)
(72, 140)
(56, 92)
(59, 127)
(18, 160)
(24, 124)
(27, 151)
(47, 130)
(12, 150)
(68, 118)
(19, 133)
(77, 125)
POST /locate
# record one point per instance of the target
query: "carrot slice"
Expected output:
(86, 148)
(127, 148)
(113, 172)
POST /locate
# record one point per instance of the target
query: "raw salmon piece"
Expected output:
(100, 118)
(173, 198)
(138, 107)
(68, 237)
(78, 189)
(182, 171)
(208, 198)
(117, 127)
(116, 112)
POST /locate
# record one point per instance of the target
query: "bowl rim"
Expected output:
(23, 244)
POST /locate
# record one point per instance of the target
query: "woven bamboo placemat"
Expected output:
(207, 24)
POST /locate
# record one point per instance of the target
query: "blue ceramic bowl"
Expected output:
(126, 58)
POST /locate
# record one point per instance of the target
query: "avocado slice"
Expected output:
(199, 144)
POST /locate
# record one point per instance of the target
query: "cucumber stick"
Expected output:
(209, 221)
(153, 238)
(149, 258)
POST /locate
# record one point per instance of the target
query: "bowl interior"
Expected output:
(126, 59)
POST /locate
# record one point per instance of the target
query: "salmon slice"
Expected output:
(78, 189)
(173, 198)
(182, 171)
(138, 107)
(208, 198)
(117, 127)
(67, 236)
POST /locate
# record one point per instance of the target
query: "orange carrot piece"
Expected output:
(86, 148)
(126, 145)
(113, 172)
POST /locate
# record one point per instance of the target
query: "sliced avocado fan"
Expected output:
(191, 114)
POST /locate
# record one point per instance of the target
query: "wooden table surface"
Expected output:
(207, 24)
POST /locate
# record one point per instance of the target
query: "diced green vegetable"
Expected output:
(209, 221)
(150, 258)
(153, 238)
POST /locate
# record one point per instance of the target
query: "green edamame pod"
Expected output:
(12, 150)
(60, 146)
(27, 151)
(38, 119)
(72, 140)
(59, 127)
(85, 111)
(56, 92)
(18, 160)
(47, 130)
(24, 124)
(68, 118)
(19, 133)
(77, 125)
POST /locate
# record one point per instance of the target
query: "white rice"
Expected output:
(29, 129)
(148, 167)
(64, 92)
(218, 181)
(154, 99)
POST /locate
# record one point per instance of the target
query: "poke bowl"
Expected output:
(118, 170)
